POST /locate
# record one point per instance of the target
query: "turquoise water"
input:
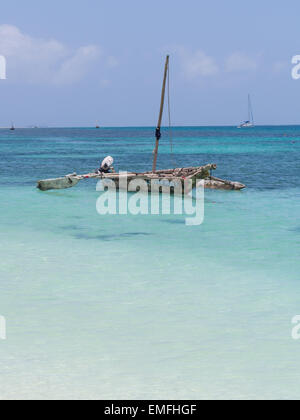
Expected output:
(144, 306)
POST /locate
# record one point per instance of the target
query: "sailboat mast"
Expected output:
(250, 112)
(249, 117)
(157, 132)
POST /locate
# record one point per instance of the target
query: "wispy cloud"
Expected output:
(281, 66)
(239, 61)
(37, 60)
(77, 66)
(197, 64)
(112, 62)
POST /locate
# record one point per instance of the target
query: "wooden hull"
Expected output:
(57, 183)
(162, 180)
(221, 184)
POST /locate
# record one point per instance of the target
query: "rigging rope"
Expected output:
(170, 125)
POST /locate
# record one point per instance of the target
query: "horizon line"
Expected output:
(145, 126)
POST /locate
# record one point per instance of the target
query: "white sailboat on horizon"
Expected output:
(250, 122)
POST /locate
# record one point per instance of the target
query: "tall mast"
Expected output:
(250, 112)
(157, 132)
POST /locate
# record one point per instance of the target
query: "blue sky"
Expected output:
(73, 63)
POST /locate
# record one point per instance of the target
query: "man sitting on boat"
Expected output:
(106, 166)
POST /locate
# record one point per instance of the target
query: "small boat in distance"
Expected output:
(250, 122)
(97, 125)
(12, 128)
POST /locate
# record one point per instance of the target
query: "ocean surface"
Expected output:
(143, 306)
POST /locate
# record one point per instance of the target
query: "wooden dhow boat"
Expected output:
(175, 177)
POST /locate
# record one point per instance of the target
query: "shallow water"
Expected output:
(144, 306)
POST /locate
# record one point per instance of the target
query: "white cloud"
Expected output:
(281, 66)
(239, 61)
(37, 60)
(104, 83)
(76, 67)
(112, 62)
(197, 64)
